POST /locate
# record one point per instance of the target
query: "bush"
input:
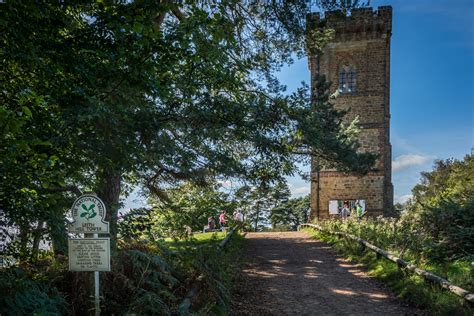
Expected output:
(141, 281)
(24, 292)
(448, 229)
(146, 279)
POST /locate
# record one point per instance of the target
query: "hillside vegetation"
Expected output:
(435, 231)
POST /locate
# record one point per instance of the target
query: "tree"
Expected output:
(292, 213)
(398, 209)
(104, 95)
(344, 5)
(450, 179)
(257, 201)
(442, 206)
(191, 205)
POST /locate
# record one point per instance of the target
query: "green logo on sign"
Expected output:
(89, 212)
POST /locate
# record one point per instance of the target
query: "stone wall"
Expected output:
(349, 187)
(362, 41)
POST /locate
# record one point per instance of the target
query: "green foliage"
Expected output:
(344, 5)
(146, 278)
(142, 281)
(138, 224)
(211, 239)
(219, 269)
(404, 238)
(159, 272)
(410, 288)
(449, 230)
(257, 202)
(186, 207)
(190, 206)
(24, 292)
(201, 255)
(153, 93)
(450, 179)
(291, 213)
(442, 206)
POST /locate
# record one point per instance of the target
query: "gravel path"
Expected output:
(290, 273)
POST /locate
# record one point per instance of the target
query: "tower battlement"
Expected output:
(361, 21)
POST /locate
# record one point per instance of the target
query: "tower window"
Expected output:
(347, 79)
(342, 80)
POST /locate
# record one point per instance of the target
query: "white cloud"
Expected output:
(403, 198)
(406, 161)
(299, 191)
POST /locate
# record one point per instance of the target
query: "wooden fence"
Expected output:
(468, 296)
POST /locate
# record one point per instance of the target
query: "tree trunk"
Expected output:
(56, 226)
(37, 234)
(23, 236)
(256, 219)
(109, 192)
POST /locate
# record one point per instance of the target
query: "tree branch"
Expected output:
(70, 188)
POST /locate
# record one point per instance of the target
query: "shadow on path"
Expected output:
(290, 273)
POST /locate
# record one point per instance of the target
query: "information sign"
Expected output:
(90, 254)
(88, 214)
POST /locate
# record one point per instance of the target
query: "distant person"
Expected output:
(189, 230)
(238, 216)
(359, 210)
(222, 220)
(211, 224)
(345, 211)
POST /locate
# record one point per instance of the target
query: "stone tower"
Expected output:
(357, 62)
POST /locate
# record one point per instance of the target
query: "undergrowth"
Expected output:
(410, 288)
(22, 294)
(146, 279)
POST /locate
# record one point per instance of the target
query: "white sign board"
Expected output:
(88, 214)
(91, 254)
(333, 207)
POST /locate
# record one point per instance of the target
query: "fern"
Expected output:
(21, 295)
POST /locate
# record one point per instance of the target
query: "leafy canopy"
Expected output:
(103, 95)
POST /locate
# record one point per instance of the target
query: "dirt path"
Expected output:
(291, 274)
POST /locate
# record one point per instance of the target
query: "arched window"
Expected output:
(347, 79)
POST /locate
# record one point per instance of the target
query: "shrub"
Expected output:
(24, 292)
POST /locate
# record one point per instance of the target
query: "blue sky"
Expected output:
(432, 85)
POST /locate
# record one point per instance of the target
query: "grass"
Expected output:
(197, 240)
(410, 288)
